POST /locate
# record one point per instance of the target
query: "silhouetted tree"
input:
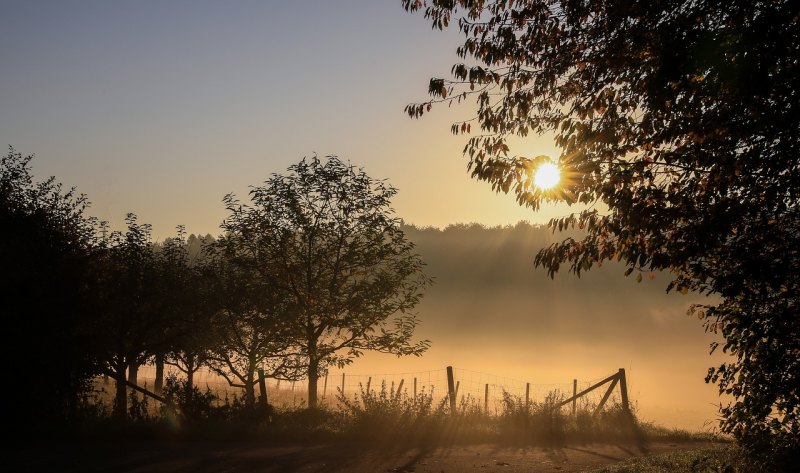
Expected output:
(250, 329)
(324, 235)
(47, 252)
(187, 306)
(132, 325)
(678, 125)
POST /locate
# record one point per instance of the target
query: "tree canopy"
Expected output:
(324, 235)
(311, 274)
(46, 245)
(678, 128)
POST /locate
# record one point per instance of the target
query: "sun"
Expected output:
(547, 176)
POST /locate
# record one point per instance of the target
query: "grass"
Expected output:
(385, 414)
(382, 413)
(721, 459)
(382, 419)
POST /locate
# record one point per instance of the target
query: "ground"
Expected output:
(352, 457)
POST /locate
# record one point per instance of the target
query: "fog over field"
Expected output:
(490, 310)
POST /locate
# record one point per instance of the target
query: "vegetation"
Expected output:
(47, 259)
(315, 267)
(251, 329)
(322, 241)
(383, 414)
(715, 459)
(189, 302)
(678, 133)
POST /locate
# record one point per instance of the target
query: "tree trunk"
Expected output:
(158, 384)
(249, 389)
(262, 387)
(121, 396)
(313, 377)
(133, 374)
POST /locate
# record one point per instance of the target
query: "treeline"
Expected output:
(309, 274)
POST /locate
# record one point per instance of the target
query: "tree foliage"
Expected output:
(678, 128)
(312, 273)
(251, 329)
(188, 309)
(129, 325)
(325, 237)
(46, 246)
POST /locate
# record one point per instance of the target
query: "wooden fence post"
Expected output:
(325, 387)
(574, 401)
(262, 387)
(623, 390)
(451, 389)
(342, 384)
(486, 399)
(415, 390)
(527, 395)
(369, 381)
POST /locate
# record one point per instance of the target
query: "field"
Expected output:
(377, 429)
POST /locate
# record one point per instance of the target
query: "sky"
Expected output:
(162, 108)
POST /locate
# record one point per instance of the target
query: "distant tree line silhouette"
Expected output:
(311, 273)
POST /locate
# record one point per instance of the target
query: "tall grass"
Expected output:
(387, 412)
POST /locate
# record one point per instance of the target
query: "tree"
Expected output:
(47, 249)
(324, 234)
(186, 293)
(678, 127)
(130, 326)
(250, 329)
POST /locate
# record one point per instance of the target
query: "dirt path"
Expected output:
(252, 456)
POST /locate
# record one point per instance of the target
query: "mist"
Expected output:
(491, 311)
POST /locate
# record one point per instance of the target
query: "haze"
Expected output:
(491, 311)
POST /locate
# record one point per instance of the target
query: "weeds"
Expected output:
(194, 404)
(391, 413)
(705, 460)
(389, 410)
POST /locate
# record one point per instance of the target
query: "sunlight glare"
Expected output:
(547, 176)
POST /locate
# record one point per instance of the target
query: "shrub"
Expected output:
(389, 411)
(194, 404)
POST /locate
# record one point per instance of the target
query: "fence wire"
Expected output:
(485, 391)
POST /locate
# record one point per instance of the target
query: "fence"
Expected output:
(454, 386)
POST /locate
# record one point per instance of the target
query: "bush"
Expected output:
(195, 405)
(390, 411)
